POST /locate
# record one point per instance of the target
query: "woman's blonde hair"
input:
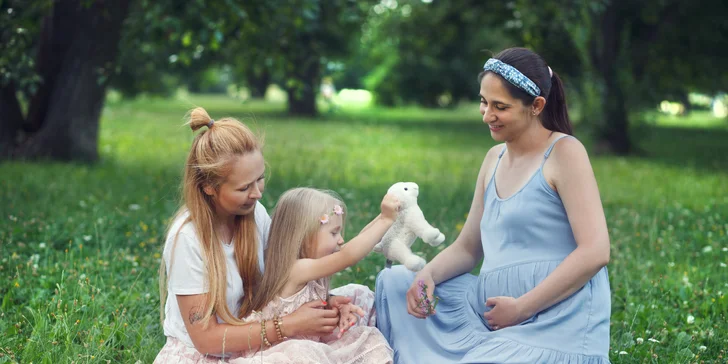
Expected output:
(208, 165)
(295, 223)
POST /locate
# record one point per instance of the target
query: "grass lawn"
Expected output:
(81, 244)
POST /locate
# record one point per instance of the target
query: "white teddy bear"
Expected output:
(410, 224)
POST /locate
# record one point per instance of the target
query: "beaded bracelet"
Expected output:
(263, 334)
(279, 328)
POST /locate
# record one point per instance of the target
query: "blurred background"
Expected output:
(351, 96)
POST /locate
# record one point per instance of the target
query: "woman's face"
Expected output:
(505, 115)
(242, 188)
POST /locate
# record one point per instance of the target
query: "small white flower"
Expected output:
(87, 238)
(622, 352)
(707, 249)
(640, 340)
(671, 264)
(691, 319)
(653, 340)
(371, 278)
(725, 249)
(134, 207)
(42, 245)
(686, 281)
(702, 348)
(722, 264)
(83, 276)
(147, 295)
(35, 266)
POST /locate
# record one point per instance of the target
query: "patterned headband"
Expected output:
(325, 217)
(512, 75)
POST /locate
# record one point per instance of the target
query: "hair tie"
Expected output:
(211, 123)
(551, 73)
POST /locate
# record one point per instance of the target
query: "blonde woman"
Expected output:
(304, 251)
(213, 254)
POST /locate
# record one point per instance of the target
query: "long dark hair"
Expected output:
(555, 116)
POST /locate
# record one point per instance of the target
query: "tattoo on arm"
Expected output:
(195, 315)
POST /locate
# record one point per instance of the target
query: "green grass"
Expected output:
(80, 244)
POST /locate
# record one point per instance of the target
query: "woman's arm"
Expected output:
(466, 251)
(579, 193)
(237, 338)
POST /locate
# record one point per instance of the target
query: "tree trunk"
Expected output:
(11, 120)
(258, 83)
(614, 131)
(302, 96)
(86, 38)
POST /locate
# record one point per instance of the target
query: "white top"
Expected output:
(187, 276)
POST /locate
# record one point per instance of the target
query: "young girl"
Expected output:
(303, 252)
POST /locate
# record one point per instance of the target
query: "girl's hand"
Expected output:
(337, 301)
(506, 312)
(311, 319)
(390, 207)
(414, 295)
(348, 316)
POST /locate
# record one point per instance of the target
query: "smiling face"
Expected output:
(505, 115)
(242, 188)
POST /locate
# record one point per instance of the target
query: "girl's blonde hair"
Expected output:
(208, 164)
(295, 223)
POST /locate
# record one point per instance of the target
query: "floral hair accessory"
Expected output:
(423, 303)
(337, 211)
(324, 219)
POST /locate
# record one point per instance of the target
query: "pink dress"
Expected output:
(359, 345)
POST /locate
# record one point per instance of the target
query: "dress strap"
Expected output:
(502, 151)
(497, 163)
(551, 147)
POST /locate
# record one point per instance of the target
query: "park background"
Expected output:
(93, 95)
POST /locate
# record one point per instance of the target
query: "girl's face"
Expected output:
(328, 238)
(242, 188)
(505, 115)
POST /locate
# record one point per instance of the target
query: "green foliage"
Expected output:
(21, 25)
(430, 53)
(80, 253)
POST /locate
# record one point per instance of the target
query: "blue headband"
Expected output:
(512, 75)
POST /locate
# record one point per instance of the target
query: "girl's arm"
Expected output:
(579, 193)
(305, 270)
(370, 223)
(237, 338)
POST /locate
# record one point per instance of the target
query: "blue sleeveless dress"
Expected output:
(524, 238)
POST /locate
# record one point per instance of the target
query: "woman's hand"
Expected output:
(414, 295)
(506, 311)
(313, 318)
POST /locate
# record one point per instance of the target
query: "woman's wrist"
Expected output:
(526, 306)
(289, 326)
